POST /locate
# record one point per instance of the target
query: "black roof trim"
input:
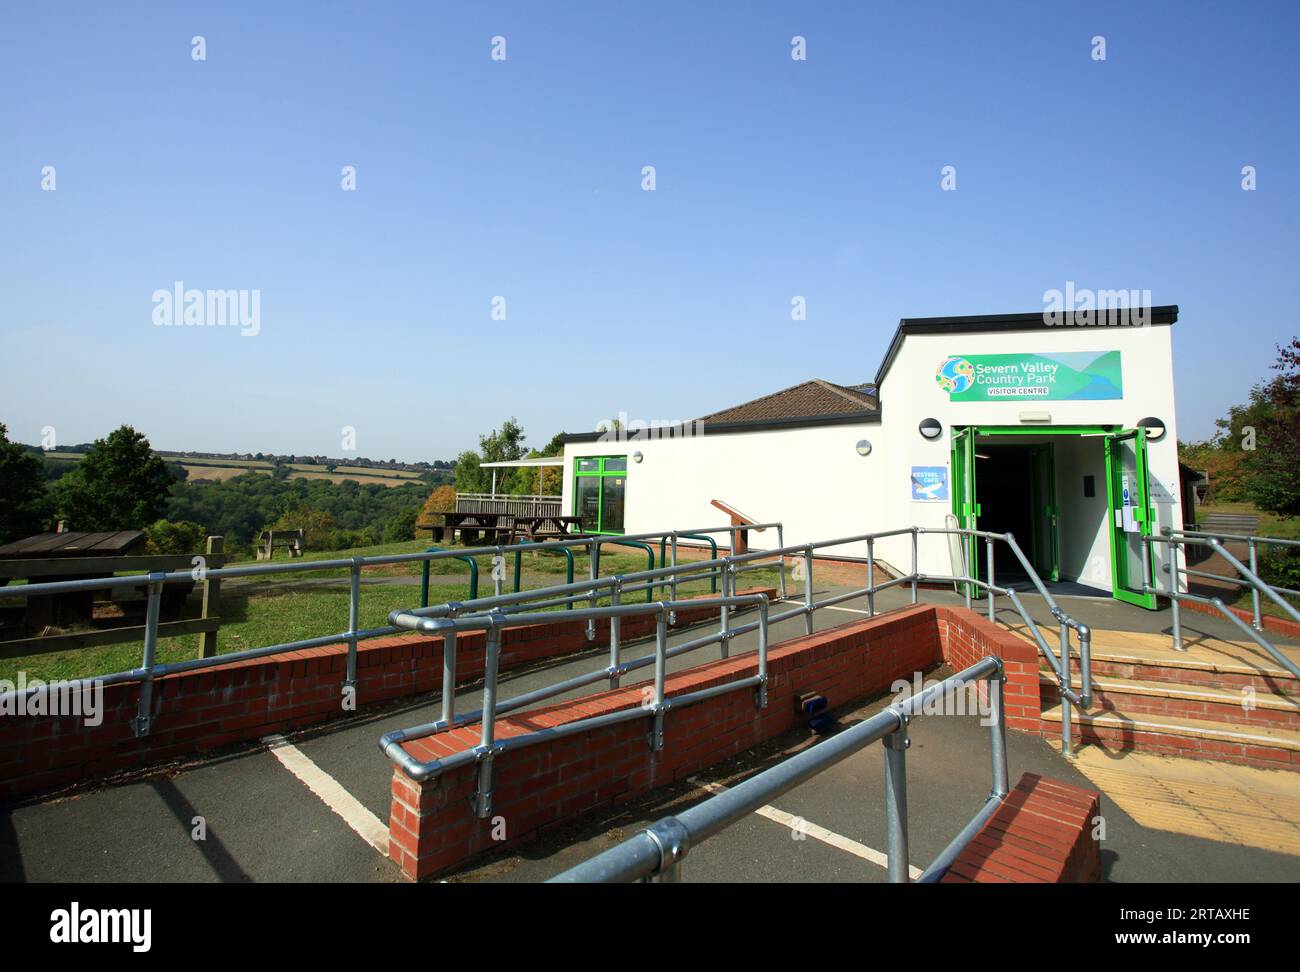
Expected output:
(1165, 314)
(760, 425)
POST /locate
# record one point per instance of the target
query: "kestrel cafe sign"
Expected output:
(1063, 376)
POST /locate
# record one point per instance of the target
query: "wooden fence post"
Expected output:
(211, 599)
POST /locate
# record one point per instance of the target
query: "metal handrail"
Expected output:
(1175, 539)
(494, 622)
(484, 613)
(656, 853)
(150, 669)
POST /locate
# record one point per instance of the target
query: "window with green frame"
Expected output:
(599, 491)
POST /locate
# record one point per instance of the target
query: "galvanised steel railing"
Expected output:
(656, 853)
(493, 613)
(151, 669)
(489, 747)
(1176, 540)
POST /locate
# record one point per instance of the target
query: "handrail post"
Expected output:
(593, 565)
(487, 739)
(728, 590)
(449, 674)
(808, 589)
(896, 744)
(1067, 733)
(989, 554)
(1175, 604)
(780, 545)
(672, 580)
(354, 622)
(615, 623)
(661, 667)
(140, 725)
(1254, 591)
(915, 562)
(998, 733)
(761, 695)
(871, 577)
(967, 554)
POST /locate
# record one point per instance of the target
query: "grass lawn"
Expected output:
(1270, 525)
(276, 611)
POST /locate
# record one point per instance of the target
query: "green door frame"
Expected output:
(966, 508)
(601, 474)
(1142, 514)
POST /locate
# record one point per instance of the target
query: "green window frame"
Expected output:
(609, 475)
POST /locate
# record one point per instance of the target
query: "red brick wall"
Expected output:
(967, 637)
(1042, 833)
(432, 827)
(199, 711)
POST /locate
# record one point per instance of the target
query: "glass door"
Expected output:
(1129, 497)
(600, 489)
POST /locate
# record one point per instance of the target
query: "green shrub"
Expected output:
(180, 537)
(1280, 567)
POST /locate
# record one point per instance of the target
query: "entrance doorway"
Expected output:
(1075, 498)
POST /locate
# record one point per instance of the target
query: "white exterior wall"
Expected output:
(910, 394)
(816, 484)
(811, 480)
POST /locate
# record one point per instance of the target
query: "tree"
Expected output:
(119, 485)
(401, 526)
(183, 537)
(499, 445)
(1274, 464)
(24, 505)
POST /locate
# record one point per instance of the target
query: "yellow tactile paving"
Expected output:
(1200, 798)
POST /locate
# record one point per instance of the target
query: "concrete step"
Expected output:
(1121, 729)
(1221, 665)
(1245, 706)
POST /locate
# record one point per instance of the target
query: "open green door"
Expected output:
(1131, 519)
(964, 506)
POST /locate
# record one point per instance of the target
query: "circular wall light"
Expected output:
(1155, 428)
(637, 457)
(930, 429)
(863, 447)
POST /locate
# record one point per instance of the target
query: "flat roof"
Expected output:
(523, 463)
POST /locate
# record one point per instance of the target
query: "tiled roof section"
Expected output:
(812, 398)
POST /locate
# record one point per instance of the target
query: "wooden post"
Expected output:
(211, 600)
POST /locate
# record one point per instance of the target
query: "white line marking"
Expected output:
(836, 607)
(835, 840)
(369, 827)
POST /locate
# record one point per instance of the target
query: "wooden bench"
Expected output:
(1042, 833)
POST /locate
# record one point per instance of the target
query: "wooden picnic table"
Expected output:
(75, 551)
(495, 526)
(540, 528)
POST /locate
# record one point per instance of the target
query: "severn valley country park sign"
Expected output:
(1063, 376)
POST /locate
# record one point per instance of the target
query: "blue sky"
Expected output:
(479, 178)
